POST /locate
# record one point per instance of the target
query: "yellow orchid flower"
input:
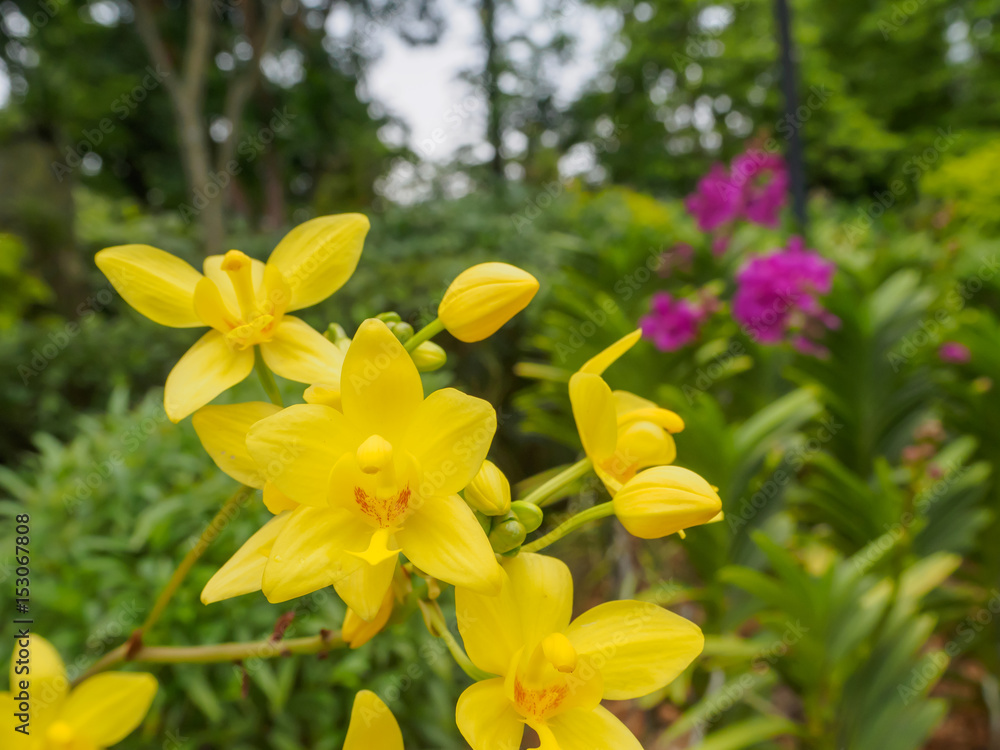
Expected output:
(552, 673)
(482, 298)
(666, 500)
(244, 302)
(621, 432)
(372, 727)
(41, 712)
(373, 480)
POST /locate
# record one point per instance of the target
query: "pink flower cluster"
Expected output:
(777, 297)
(754, 187)
(672, 323)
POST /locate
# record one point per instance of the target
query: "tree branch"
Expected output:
(239, 92)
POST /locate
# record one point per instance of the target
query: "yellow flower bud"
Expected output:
(483, 298)
(489, 491)
(429, 357)
(357, 632)
(665, 500)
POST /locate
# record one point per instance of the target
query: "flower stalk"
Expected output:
(266, 378)
(426, 333)
(211, 532)
(269, 648)
(551, 490)
(602, 510)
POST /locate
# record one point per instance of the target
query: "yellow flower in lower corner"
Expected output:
(552, 673)
(41, 712)
(244, 302)
(621, 432)
(373, 727)
(375, 480)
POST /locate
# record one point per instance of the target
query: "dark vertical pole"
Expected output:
(491, 74)
(789, 85)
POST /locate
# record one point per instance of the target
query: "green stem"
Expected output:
(208, 536)
(426, 333)
(439, 628)
(591, 514)
(266, 377)
(548, 492)
(221, 652)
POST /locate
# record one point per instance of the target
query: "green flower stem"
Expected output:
(548, 492)
(208, 536)
(434, 618)
(591, 514)
(426, 333)
(266, 377)
(221, 652)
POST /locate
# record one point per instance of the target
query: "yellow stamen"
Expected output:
(560, 652)
(374, 455)
(60, 732)
(240, 270)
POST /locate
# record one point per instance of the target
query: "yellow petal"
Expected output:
(323, 393)
(482, 298)
(443, 538)
(107, 707)
(372, 727)
(586, 729)
(299, 352)
(535, 600)
(364, 589)
(317, 257)
(380, 387)
(594, 412)
(223, 433)
(298, 447)
(626, 402)
(450, 436)
(211, 308)
(206, 370)
(212, 265)
(357, 632)
(244, 571)
(46, 677)
(277, 501)
(601, 362)
(643, 444)
(486, 719)
(154, 282)
(638, 647)
(311, 552)
(664, 500)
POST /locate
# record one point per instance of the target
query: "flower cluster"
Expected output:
(672, 323)
(777, 297)
(753, 188)
(384, 492)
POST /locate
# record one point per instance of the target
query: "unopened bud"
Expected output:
(483, 298)
(507, 535)
(529, 514)
(429, 357)
(665, 500)
(489, 491)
